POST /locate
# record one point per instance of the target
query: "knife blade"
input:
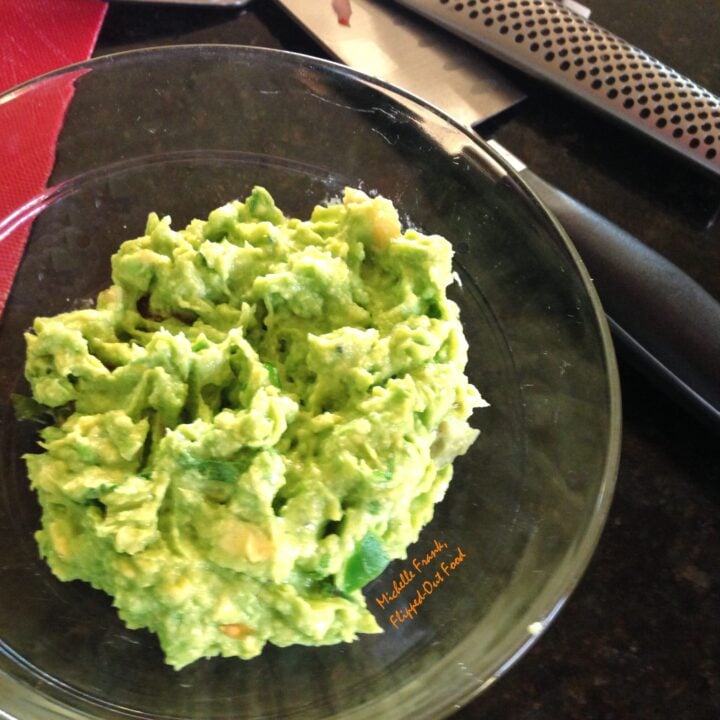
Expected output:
(647, 299)
(413, 55)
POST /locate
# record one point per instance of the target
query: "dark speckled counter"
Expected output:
(640, 637)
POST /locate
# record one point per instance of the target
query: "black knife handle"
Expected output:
(668, 324)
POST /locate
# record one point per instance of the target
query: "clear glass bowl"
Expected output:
(185, 129)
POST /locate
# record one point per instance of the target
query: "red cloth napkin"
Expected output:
(36, 36)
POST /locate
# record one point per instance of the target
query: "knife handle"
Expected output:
(667, 323)
(547, 40)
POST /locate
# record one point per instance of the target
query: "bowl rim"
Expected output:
(583, 551)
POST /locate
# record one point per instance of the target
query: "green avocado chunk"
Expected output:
(256, 417)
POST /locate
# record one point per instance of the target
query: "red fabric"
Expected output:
(36, 36)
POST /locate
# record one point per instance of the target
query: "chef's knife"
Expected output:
(668, 324)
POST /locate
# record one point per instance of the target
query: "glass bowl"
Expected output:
(181, 131)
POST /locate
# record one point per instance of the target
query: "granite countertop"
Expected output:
(640, 637)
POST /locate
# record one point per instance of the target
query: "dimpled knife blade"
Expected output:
(547, 40)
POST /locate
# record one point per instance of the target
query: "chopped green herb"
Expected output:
(367, 562)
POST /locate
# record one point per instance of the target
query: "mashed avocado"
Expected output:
(257, 416)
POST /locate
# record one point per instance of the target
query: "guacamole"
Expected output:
(254, 419)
